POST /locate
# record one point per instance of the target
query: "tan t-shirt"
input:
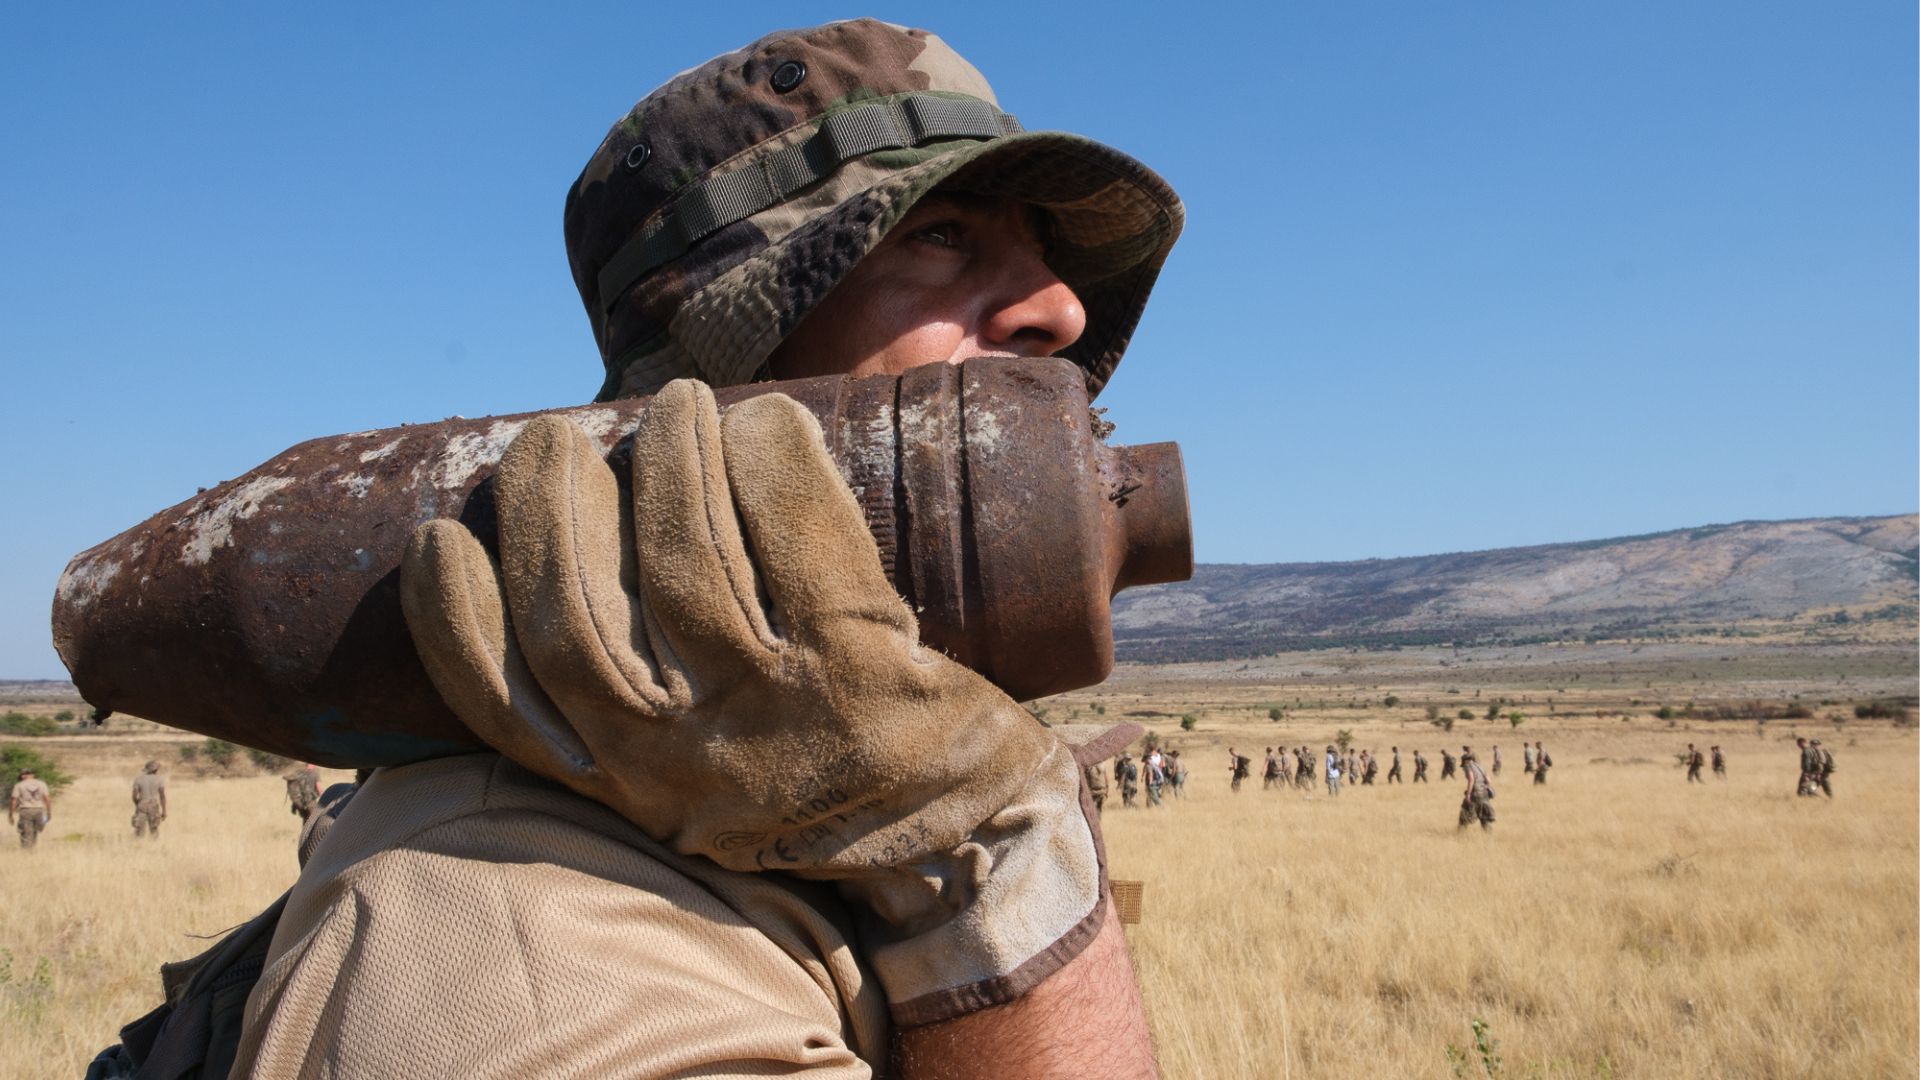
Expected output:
(31, 794)
(466, 918)
(147, 788)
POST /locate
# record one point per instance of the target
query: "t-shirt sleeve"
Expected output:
(512, 945)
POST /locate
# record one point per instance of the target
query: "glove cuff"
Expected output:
(1018, 901)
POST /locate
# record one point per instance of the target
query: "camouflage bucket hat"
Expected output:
(729, 202)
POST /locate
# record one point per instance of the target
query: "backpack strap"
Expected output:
(197, 1032)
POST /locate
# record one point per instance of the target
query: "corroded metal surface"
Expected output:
(266, 611)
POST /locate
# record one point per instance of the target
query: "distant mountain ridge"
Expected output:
(1714, 575)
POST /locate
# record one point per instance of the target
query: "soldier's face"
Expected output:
(960, 276)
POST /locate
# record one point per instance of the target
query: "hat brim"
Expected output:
(1114, 222)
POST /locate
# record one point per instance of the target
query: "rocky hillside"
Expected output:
(1714, 576)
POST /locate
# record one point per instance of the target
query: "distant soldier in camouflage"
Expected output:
(1393, 772)
(1446, 764)
(1496, 759)
(1809, 765)
(303, 790)
(1156, 769)
(1271, 774)
(1823, 769)
(1095, 775)
(1526, 758)
(149, 801)
(29, 807)
(1419, 767)
(1476, 803)
(1369, 767)
(1695, 762)
(1333, 771)
(1177, 774)
(1541, 763)
(1127, 771)
(1302, 768)
(1719, 763)
(1239, 764)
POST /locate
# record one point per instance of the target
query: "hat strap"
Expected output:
(892, 123)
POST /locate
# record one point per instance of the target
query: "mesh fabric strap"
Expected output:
(893, 123)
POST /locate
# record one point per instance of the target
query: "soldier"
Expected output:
(1271, 774)
(1823, 769)
(1496, 759)
(848, 200)
(1719, 763)
(1526, 758)
(1369, 767)
(1419, 767)
(1156, 776)
(1541, 763)
(1333, 771)
(1476, 803)
(1695, 762)
(149, 801)
(1095, 776)
(1809, 766)
(1393, 771)
(303, 790)
(1129, 778)
(1446, 764)
(1177, 774)
(29, 807)
(1348, 771)
(1239, 764)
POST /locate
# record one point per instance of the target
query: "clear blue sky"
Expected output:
(1456, 275)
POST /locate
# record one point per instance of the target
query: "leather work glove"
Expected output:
(722, 660)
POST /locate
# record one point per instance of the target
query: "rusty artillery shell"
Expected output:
(266, 611)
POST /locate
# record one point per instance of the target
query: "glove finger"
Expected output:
(451, 594)
(815, 552)
(695, 572)
(565, 560)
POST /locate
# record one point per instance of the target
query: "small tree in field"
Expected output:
(14, 758)
(219, 752)
(1390, 701)
(1343, 740)
(1275, 714)
(1514, 719)
(1188, 722)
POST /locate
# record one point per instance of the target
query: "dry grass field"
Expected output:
(1615, 922)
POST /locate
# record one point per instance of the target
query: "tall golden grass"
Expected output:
(1617, 922)
(91, 913)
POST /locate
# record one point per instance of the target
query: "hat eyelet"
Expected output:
(787, 76)
(637, 157)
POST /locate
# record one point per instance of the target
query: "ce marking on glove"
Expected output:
(816, 820)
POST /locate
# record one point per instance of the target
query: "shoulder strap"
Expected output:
(197, 1032)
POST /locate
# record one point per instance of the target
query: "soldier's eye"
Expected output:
(942, 234)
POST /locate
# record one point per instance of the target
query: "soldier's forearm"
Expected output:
(1085, 1020)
